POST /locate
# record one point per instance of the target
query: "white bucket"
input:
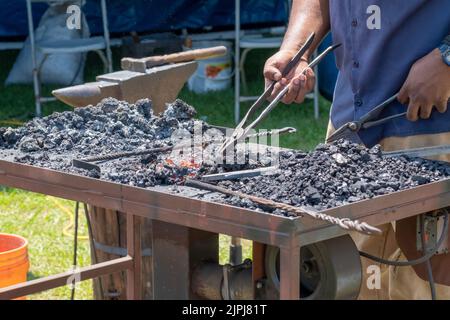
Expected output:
(212, 74)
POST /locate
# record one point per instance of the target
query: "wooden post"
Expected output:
(134, 251)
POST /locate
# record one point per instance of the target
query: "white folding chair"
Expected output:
(97, 44)
(247, 43)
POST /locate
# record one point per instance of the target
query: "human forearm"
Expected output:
(306, 16)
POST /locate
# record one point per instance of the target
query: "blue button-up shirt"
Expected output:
(381, 39)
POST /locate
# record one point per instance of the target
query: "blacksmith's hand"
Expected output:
(426, 87)
(301, 84)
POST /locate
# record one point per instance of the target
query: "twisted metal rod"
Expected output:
(344, 223)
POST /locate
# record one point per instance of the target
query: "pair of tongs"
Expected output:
(350, 130)
(241, 132)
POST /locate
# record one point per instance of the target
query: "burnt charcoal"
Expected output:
(331, 175)
(10, 136)
(29, 144)
(420, 179)
(354, 199)
(364, 156)
(144, 106)
(338, 174)
(312, 195)
(179, 110)
(322, 147)
(149, 158)
(340, 159)
(111, 126)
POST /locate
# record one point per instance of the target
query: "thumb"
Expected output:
(403, 96)
(272, 72)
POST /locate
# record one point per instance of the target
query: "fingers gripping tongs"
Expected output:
(241, 132)
(350, 130)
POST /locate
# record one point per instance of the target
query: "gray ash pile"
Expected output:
(111, 126)
(337, 174)
(330, 176)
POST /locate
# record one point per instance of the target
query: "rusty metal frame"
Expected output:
(159, 204)
(131, 263)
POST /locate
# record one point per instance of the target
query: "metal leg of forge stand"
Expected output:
(134, 251)
(235, 251)
(177, 250)
(290, 271)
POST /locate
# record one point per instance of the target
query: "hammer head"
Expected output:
(131, 64)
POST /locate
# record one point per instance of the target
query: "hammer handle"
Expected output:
(191, 55)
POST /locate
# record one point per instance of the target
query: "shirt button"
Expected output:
(355, 64)
(358, 101)
(354, 23)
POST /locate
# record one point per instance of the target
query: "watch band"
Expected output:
(447, 40)
(445, 50)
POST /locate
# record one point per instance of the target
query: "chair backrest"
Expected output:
(104, 13)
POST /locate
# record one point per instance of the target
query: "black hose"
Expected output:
(424, 259)
(414, 262)
(431, 279)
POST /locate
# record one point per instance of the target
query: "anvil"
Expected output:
(160, 84)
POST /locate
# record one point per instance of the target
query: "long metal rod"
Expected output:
(61, 279)
(127, 154)
(240, 174)
(346, 224)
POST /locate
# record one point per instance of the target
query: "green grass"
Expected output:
(42, 219)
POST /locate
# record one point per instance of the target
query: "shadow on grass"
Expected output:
(8, 190)
(32, 276)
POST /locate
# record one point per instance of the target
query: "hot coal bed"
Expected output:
(329, 176)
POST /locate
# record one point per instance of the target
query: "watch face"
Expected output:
(445, 52)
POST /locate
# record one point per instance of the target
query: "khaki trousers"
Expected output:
(396, 282)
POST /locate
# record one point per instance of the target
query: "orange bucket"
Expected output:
(13, 259)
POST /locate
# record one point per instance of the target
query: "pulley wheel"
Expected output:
(329, 270)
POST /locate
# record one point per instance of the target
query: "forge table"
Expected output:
(176, 215)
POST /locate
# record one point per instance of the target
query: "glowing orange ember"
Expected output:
(190, 164)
